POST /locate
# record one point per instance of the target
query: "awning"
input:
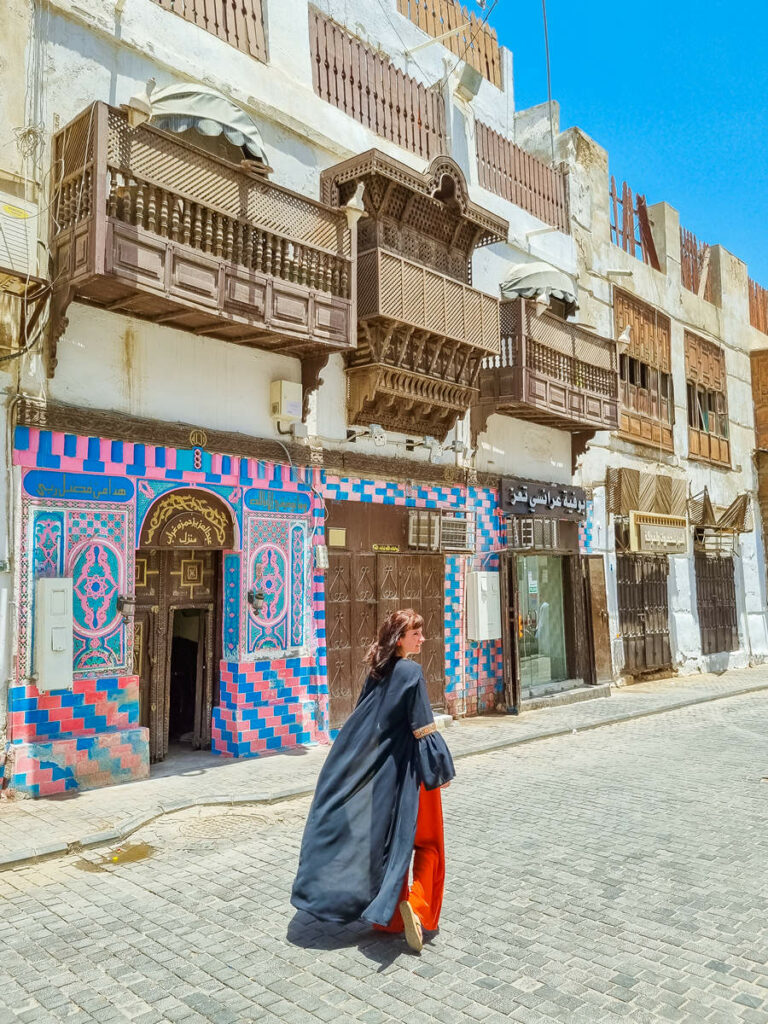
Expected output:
(179, 108)
(530, 280)
(736, 518)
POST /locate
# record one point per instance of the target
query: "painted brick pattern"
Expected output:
(93, 706)
(266, 706)
(80, 763)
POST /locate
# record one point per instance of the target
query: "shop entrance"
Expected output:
(541, 626)
(177, 620)
(364, 585)
(545, 636)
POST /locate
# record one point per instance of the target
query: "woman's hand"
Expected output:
(445, 785)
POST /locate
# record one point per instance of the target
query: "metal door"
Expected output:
(716, 601)
(598, 607)
(644, 611)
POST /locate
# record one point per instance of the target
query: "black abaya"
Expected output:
(359, 835)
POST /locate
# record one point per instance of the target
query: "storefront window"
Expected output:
(541, 625)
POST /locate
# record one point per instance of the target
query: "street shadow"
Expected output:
(381, 948)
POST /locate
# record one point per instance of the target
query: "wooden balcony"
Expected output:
(423, 331)
(421, 342)
(147, 224)
(549, 372)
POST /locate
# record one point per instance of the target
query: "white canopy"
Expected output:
(529, 280)
(177, 108)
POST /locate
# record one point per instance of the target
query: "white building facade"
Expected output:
(276, 243)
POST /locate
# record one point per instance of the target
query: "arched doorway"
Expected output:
(177, 622)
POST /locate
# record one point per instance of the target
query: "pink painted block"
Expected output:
(170, 458)
(114, 468)
(57, 443)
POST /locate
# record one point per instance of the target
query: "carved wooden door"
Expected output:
(145, 639)
(431, 604)
(351, 625)
(361, 589)
(168, 581)
(644, 611)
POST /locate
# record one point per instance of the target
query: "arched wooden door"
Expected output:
(178, 576)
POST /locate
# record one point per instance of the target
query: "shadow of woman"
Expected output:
(307, 932)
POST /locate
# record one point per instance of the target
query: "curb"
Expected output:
(47, 851)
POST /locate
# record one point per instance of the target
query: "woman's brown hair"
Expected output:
(383, 649)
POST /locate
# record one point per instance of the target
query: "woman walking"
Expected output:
(377, 801)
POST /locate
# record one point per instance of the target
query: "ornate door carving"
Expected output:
(166, 582)
(431, 604)
(361, 590)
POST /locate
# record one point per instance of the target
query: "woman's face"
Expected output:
(411, 642)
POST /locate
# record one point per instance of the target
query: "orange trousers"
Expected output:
(425, 894)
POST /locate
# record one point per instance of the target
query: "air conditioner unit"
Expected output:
(528, 534)
(424, 530)
(457, 534)
(18, 241)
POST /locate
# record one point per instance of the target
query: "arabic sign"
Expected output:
(533, 498)
(658, 532)
(671, 540)
(41, 483)
(286, 502)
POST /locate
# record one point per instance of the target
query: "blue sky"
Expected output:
(677, 92)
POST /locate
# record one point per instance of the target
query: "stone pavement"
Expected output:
(31, 829)
(593, 878)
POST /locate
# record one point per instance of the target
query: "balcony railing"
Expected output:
(551, 372)
(521, 178)
(398, 289)
(145, 223)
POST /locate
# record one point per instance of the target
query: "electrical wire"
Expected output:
(549, 80)
(481, 24)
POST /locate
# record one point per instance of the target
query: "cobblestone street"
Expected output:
(617, 874)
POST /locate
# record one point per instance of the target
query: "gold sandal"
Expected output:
(413, 931)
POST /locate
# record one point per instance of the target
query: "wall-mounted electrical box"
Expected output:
(483, 606)
(53, 634)
(285, 400)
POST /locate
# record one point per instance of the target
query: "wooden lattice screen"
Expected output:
(520, 178)
(630, 227)
(694, 265)
(758, 306)
(238, 22)
(476, 43)
(368, 87)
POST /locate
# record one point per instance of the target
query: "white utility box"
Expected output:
(285, 400)
(53, 634)
(483, 606)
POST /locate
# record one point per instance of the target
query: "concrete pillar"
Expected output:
(730, 289)
(665, 228)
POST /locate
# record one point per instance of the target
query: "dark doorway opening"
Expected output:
(186, 674)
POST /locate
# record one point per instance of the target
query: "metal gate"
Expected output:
(716, 600)
(644, 611)
(361, 590)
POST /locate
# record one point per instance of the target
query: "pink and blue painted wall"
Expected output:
(83, 504)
